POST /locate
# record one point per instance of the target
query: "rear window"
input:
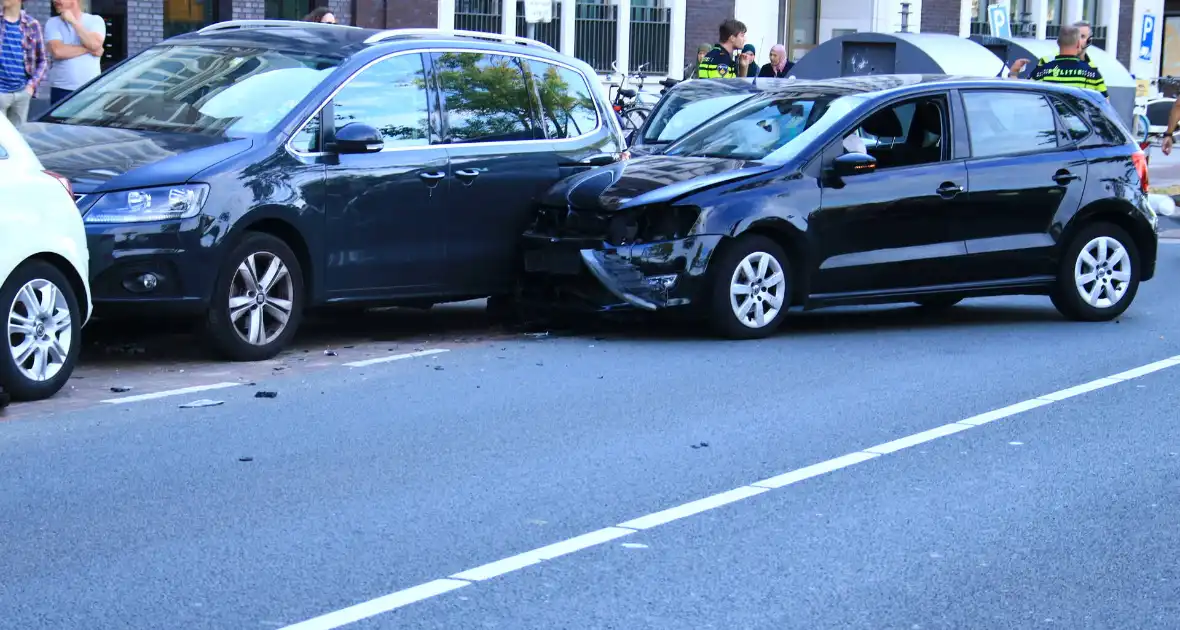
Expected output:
(1007, 123)
(211, 90)
(680, 114)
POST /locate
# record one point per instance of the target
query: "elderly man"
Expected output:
(1067, 68)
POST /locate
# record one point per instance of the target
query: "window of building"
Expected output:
(486, 97)
(390, 96)
(1006, 123)
(186, 16)
(287, 9)
(567, 104)
(802, 28)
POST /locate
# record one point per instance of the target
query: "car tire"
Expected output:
(760, 265)
(36, 365)
(245, 323)
(937, 303)
(1110, 286)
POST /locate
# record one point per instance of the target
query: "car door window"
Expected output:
(910, 133)
(307, 139)
(487, 98)
(567, 103)
(389, 96)
(1008, 123)
(1075, 128)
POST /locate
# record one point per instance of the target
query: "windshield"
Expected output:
(772, 129)
(681, 114)
(210, 90)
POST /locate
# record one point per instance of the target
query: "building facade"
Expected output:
(662, 36)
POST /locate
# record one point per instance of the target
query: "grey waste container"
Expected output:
(1119, 83)
(858, 54)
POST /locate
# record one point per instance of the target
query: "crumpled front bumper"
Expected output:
(594, 275)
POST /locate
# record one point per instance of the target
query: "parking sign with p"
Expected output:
(997, 16)
(1146, 36)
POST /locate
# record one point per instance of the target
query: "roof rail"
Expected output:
(415, 32)
(232, 24)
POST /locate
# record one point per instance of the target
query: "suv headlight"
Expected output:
(149, 204)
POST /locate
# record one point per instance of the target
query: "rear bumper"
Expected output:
(592, 275)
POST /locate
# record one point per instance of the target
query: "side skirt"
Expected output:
(1032, 285)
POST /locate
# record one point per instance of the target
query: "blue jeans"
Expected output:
(57, 94)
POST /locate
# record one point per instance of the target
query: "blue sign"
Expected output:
(1146, 36)
(997, 16)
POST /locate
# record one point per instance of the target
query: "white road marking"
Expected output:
(373, 607)
(396, 357)
(549, 552)
(427, 590)
(170, 392)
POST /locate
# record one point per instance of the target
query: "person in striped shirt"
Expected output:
(23, 62)
(1067, 68)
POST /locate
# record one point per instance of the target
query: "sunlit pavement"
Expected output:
(990, 467)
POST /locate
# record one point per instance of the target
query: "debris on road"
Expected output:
(202, 403)
(266, 394)
(537, 335)
(701, 445)
(330, 353)
(439, 368)
(246, 458)
(118, 389)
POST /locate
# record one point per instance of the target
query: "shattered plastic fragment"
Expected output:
(266, 394)
(118, 389)
(205, 402)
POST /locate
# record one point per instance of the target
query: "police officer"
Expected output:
(719, 63)
(1067, 68)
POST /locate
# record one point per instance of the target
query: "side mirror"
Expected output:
(851, 164)
(358, 138)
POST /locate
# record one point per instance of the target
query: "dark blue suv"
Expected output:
(254, 168)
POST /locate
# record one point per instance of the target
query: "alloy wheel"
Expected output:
(1102, 272)
(757, 290)
(40, 330)
(261, 297)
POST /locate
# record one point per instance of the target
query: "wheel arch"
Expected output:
(267, 221)
(1119, 212)
(794, 243)
(77, 284)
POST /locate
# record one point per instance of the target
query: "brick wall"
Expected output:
(701, 22)
(39, 9)
(941, 16)
(1126, 23)
(145, 24)
(410, 14)
(249, 10)
(342, 9)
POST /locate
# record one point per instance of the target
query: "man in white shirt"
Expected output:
(75, 41)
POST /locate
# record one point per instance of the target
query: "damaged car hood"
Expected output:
(647, 180)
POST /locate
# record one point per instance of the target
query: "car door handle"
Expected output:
(1064, 177)
(467, 175)
(949, 189)
(432, 178)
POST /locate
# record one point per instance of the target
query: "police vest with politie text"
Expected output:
(718, 64)
(1069, 70)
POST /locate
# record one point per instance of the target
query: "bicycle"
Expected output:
(625, 101)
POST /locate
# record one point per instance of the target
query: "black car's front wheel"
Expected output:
(258, 300)
(751, 288)
(1098, 275)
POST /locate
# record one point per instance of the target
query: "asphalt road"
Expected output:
(377, 485)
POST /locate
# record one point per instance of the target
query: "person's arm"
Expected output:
(40, 57)
(1173, 120)
(54, 34)
(92, 40)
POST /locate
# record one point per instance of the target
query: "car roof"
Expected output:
(876, 85)
(341, 41)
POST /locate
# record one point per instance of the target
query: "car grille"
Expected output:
(569, 222)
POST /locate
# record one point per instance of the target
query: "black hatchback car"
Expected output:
(245, 171)
(879, 189)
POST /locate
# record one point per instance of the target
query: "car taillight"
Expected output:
(1140, 160)
(64, 182)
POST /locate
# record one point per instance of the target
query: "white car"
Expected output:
(44, 273)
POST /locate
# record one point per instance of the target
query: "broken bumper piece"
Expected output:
(593, 275)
